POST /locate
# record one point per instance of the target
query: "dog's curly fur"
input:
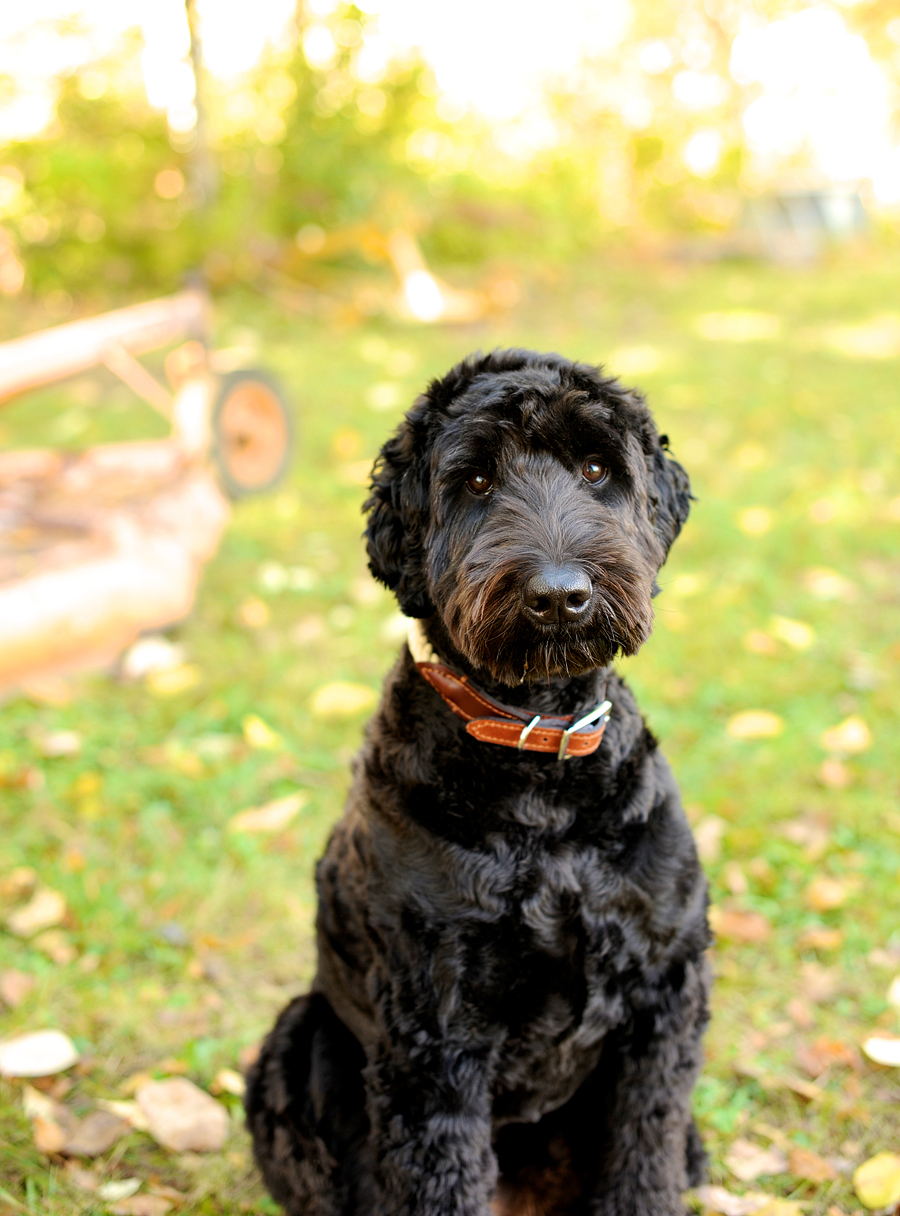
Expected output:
(511, 986)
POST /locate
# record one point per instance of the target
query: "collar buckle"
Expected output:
(593, 718)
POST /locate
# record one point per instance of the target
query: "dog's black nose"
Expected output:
(557, 593)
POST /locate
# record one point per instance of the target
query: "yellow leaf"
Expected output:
(45, 909)
(739, 926)
(271, 817)
(175, 680)
(877, 1181)
(796, 633)
(755, 521)
(342, 700)
(755, 724)
(824, 894)
(804, 1163)
(738, 325)
(259, 734)
(851, 735)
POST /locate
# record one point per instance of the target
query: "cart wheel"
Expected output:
(252, 433)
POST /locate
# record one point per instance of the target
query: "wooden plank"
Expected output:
(65, 350)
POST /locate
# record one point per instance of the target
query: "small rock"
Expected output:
(41, 1054)
(15, 987)
(45, 909)
(181, 1117)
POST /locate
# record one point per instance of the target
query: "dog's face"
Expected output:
(530, 502)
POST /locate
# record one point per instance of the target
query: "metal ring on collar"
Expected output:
(526, 731)
(602, 711)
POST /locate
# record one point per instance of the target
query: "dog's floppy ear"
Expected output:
(669, 493)
(397, 510)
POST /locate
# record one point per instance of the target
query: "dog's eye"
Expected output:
(593, 471)
(479, 482)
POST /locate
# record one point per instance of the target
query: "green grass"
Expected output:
(133, 829)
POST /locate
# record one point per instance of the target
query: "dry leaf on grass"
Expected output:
(824, 893)
(809, 833)
(755, 724)
(85, 1180)
(708, 834)
(342, 700)
(801, 1012)
(893, 992)
(271, 817)
(818, 937)
(15, 987)
(749, 1161)
(815, 1057)
(142, 1205)
(720, 1202)
(735, 925)
(883, 1049)
(56, 945)
(803, 1163)
(17, 884)
(174, 680)
(45, 909)
(118, 1188)
(848, 737)
(228, 1081)
(180, 1116)
(129, 1111)
(818, 983)
(40, 1054)
(259, 735)
(95, 1134)
(877, 1181)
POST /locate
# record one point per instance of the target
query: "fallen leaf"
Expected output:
(253, 613)
(824, 893)
(717, 1200)
(129, 1111)
(56, 743)
(815, 1057)
(818, 983)
(85, 1180)
(40, 1054)
(893, 992)
(808, 833)
(801, 1012)
(760, 643)
(755, 724)
(51, 1123)
(850, 736)
(142, 1205)
(835, 774)
(56, 945)
(877, 1181)
(228, 1081)
(818, 937)
(180, 1116)
(15, 987)
(271, 817)
(118, 1188)
(797, 634)
(806, 1090)
(45, 909)
(708, 835)
(731, 924)
(342, 700)
(173, 681)
(804, 1163)
(18, 884)
(827, 584)
(749, 1161)
(168, 1192)
(259, 735)
(883, 1049)
(96, 1133)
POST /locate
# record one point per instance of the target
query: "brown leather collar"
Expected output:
(493, 722)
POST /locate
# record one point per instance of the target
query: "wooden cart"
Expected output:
(99, 546)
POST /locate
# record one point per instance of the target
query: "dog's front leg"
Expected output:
(652, 1144)
(429, 1107)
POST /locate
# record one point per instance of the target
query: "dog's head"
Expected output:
(530, 502)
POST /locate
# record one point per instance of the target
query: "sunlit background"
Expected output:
(290, 123)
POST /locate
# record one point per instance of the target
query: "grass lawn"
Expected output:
(779, 391)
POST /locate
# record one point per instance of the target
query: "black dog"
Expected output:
(511, 987)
